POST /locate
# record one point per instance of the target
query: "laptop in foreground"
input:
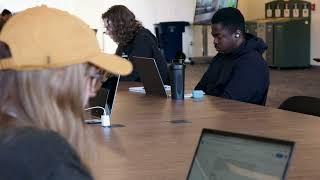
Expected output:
(225, 155)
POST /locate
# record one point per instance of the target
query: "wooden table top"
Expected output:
(149, 146)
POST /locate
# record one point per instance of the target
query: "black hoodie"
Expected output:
(144, 44)
(242, 75)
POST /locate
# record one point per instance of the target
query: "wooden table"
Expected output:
(151, 147)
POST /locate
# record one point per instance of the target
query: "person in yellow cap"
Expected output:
(49, 65)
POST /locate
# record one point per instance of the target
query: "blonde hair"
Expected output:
(48, 99)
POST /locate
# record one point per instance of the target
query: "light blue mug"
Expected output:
(197, 94)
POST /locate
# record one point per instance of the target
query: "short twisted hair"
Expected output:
(231, 18)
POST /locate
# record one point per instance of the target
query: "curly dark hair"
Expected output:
(121, 24)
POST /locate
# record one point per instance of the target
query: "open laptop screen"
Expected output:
(150, 76)
(224, 155)
(105, 97)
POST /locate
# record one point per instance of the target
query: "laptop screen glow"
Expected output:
(225, 156)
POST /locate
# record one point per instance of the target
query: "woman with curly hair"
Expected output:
(133, 39)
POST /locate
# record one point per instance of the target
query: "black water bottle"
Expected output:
(177, 74)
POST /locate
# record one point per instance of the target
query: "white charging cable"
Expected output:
(105, 119)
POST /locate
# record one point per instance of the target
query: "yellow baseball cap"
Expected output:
(42, 37)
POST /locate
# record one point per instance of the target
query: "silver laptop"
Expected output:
(106, 99)
(225, 155)
(112, 96)
(149, 75)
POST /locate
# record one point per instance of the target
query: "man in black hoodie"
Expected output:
(238, 71)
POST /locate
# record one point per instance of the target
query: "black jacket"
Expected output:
(242, 75)
(144, 44)
(33, 154)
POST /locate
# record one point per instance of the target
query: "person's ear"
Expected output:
(237, 34)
